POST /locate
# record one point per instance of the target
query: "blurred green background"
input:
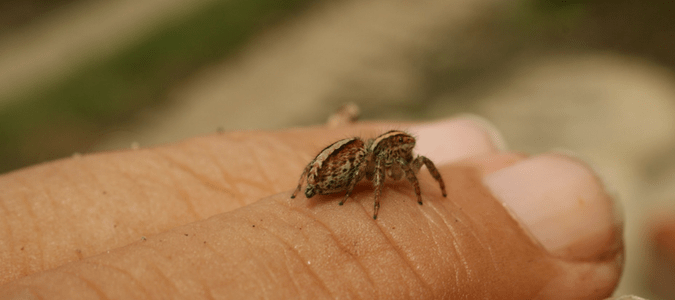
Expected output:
(52, 120)
(594, 77)
(70, 113)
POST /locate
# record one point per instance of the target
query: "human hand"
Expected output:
(75, 226)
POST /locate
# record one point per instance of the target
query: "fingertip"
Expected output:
(492, 162)
(453, 139)
(561, 202)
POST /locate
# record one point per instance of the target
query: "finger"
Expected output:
(492, 162)
(466, 245)
(77, 207)
(456, 139)
(565, 207)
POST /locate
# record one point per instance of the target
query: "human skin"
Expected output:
(211, 217)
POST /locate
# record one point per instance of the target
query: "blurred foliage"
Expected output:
(56, 121)
(16, 13)
(640, 28)
(52, 122)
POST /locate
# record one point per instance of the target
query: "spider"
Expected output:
(344, 163)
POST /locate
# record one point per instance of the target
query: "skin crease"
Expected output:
(264, 249)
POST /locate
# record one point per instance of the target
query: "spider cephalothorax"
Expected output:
(344, 163)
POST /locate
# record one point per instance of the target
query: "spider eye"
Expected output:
(400, 139)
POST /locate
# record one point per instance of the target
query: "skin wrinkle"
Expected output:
(135, 187)
(258, 185)
(472, 231)
(27, 289)
(273, 145)
(55, 203)
(207, 292)
(36, 295)
(171, 284)
(439, 253)
(341, 246)
(247, 240)
(403, 257)
(127, 274)
(388, 238)
(453, 232)
(76, 183)
(301, 260)
(455, 242)
(243, 181)
(260, 281)
(299, 157)
(88, 283)
(450, 229)
(296, 285)
(261, 170)
(214, 251)
(253, 146)
(462, 257)
(172, 162)
(97, 182)
(183, 194)
(458, 253)
(9, 236)
(222, 256)
(363, 205)
(46, 193)
(493, 261)
(332, 236)
(76, 186)
(232, 189)
(294, 156)
(224, 183)
(458, 256)
(39, 245)
(92, 175)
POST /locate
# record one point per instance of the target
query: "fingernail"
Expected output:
(561, 202)
(454, 139)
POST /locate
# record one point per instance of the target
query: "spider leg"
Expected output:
(302, 179)
(395, 171)
(370, 170)
(417, 164)
(378, 182)
(410, 175)
(358, 175)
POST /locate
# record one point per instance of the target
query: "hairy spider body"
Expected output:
(344, 163)
(335, 168)
(391, 155)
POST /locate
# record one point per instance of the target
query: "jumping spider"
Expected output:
(344, 163)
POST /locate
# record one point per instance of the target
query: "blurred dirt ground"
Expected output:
(434, 59)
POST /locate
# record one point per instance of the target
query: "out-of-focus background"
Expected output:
(595, 77)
